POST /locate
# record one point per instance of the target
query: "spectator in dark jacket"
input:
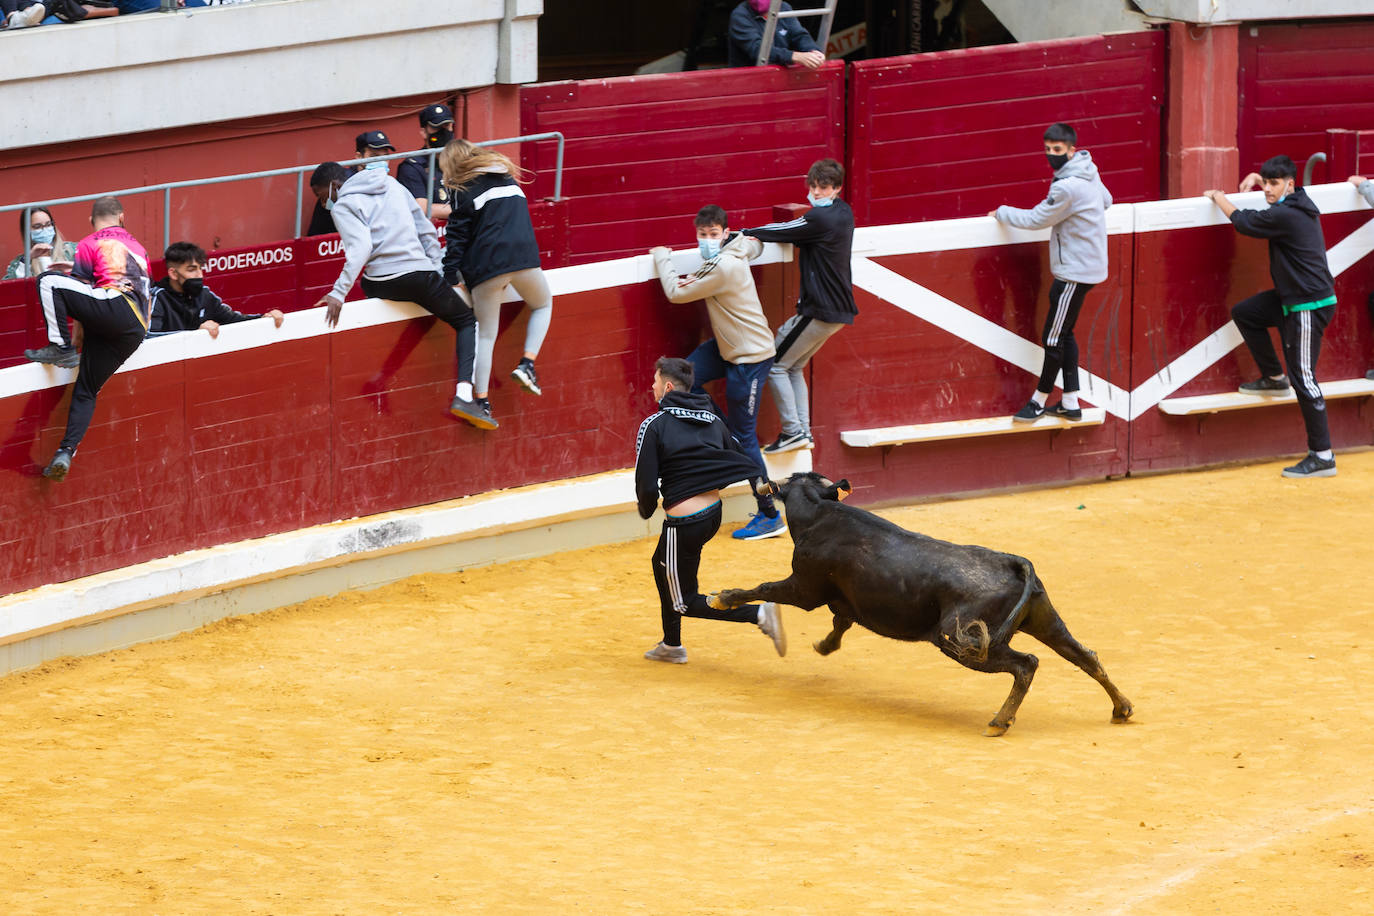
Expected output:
(1301, 304)
(182, 301)
(792, 43)
(490, 243)
(367, 145)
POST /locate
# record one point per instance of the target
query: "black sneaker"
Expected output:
(59, 466)
(788, 443)
(477, 412)
(54, 355)
(525, 375)
(1312, 466)
(1057, 409)
(1265, 385)
(1029, 414)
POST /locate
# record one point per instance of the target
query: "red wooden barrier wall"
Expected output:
(645, 153)
(1296, 81)
(956, 133)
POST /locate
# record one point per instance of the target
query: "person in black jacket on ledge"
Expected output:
(182, 301)
(1301, 305)
(687, 452)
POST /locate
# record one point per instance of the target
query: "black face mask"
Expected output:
(1056, 162)
(192, 286)
(442, 138)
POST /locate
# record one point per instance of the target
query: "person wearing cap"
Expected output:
(366, 145)
(436, 126)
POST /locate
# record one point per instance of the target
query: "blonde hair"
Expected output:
(462, 161)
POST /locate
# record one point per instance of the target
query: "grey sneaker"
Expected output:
(1265, 385)
(524, 374)
(57, 469)
(473, 412)
(673, 655)
(1312, 466)
(29, 16)
(771, 625)
(54, 355)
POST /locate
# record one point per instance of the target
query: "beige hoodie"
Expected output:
(727, 285)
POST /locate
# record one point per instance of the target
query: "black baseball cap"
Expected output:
(435, 115)
(373, 139)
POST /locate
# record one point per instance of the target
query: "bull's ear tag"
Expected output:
(842, 490)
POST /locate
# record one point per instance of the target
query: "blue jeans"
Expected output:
(743, 390)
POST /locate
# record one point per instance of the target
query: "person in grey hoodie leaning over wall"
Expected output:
(1075, 212)
(390, 241)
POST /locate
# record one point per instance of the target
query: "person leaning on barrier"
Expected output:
(1366, 188)
(1301, 304)
(436, 126)
(1075, 212)
(182, 301)
(107, 295)
(47, 249)
(368, 144)
(792, 43)
(393, 245)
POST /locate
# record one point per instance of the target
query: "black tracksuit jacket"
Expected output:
(1297, 249)
(687, 447)
(489, 231)
(824, 237)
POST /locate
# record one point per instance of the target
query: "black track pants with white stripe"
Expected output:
(111, 329)
(675, 563)
(1061, 347)
(1301, 333)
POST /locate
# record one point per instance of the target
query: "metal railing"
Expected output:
(298, 170)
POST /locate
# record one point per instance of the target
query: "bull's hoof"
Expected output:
(996, 731)
(821, 647)
(724, 600)
(713, 602)
(1123, 715)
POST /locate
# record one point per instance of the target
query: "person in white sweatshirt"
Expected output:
(390, 241)
(1075, 212)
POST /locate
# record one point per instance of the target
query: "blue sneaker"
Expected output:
(761, 526)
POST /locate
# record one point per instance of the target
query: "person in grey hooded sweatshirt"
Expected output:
(390, 241)
(1075, 212)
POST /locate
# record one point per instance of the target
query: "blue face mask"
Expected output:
(819, 201)
(375, 165)
(329, 202)
(709, 248)
(43, 236)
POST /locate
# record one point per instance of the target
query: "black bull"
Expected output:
(967, 600)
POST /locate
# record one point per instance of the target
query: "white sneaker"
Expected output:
(771, 625)
(674, 655)
(28, 16)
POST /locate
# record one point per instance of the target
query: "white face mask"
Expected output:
(819, 201)
(377, 164)
(708, 248)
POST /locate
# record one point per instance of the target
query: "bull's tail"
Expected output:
(1018, 613)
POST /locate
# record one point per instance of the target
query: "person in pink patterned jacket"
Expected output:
(107, 295)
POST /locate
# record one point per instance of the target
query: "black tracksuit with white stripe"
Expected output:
(686, 450)
(824, 239)
(489, 232)
(1302, 281)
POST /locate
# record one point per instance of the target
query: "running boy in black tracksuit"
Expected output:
(1301, 305)
(686, 451)
(824, 237)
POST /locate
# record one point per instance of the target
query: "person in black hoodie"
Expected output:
(490, 243)
(182, 301)
(1301, 305)
(686, 452)
(824, 237)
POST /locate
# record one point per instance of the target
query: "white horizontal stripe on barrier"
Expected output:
(959, 234)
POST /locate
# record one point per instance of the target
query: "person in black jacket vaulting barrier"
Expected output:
(685, 451)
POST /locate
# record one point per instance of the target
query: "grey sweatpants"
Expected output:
(486, 302)
(797, 341)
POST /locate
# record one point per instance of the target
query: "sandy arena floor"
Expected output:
(491, 740)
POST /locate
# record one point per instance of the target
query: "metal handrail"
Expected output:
(1311, 164)
(298, 170)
